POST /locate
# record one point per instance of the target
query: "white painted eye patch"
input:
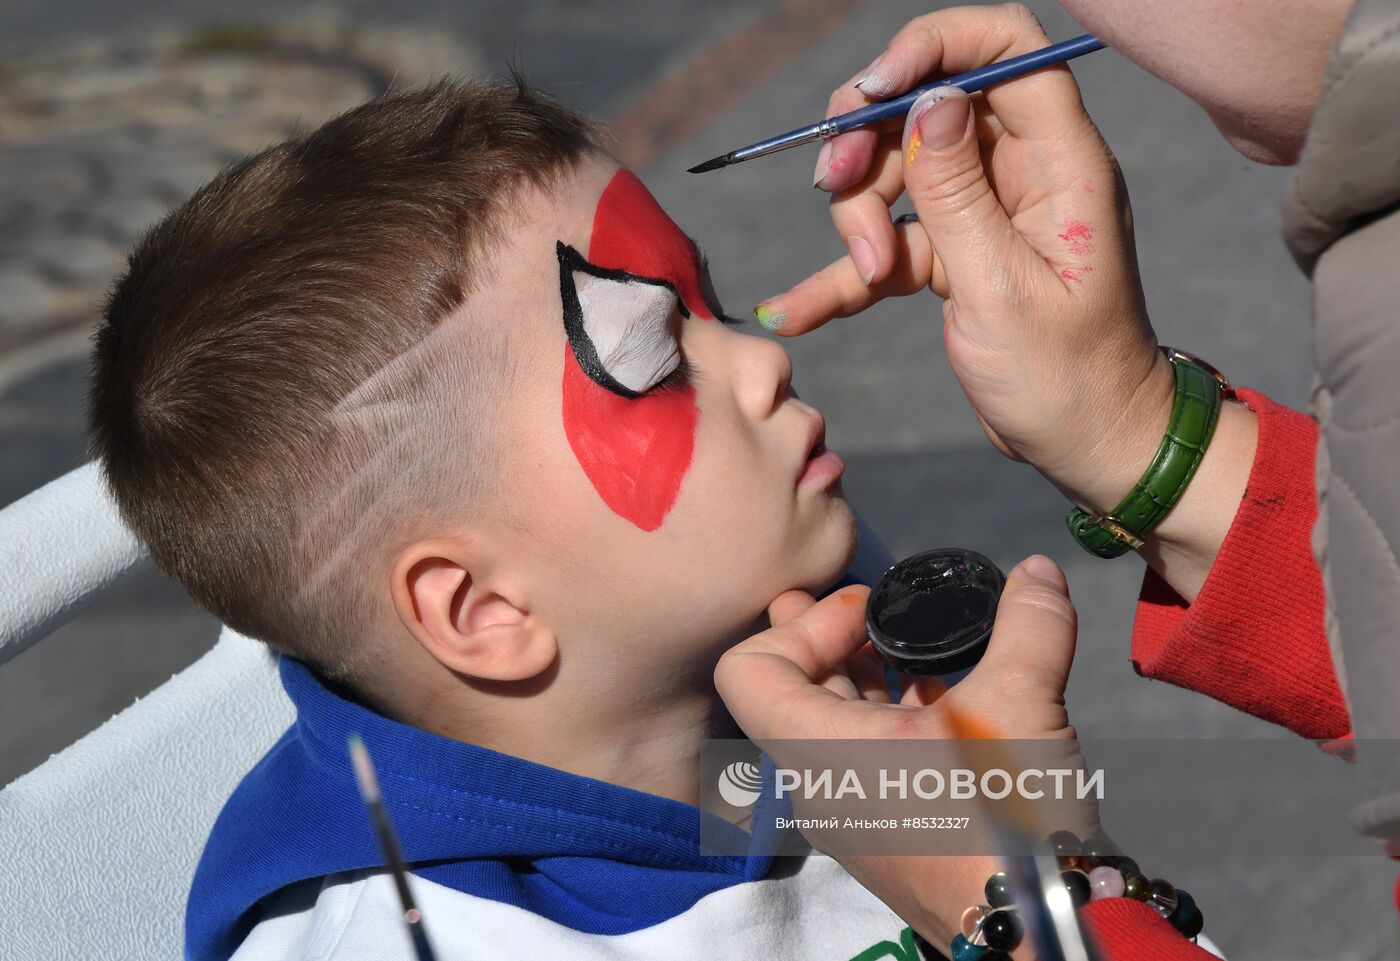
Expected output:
(630, 327)
(619, 325)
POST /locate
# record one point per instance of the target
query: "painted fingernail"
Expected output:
(939, 118)
(877, 82)
(913, 137)
(1043, 568)
(863, 256)
(770, 317)
(823, 164)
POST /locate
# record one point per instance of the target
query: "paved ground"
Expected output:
(109, 114)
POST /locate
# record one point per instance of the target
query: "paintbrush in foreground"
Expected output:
(369, 790)
(1046, 910)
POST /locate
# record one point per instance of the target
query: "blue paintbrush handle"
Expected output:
(971, 81)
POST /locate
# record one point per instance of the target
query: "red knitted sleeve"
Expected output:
(1254, 637)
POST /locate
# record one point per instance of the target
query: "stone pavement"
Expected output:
(110, 114)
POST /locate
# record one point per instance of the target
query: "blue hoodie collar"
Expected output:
(589, 855)
(460, 811)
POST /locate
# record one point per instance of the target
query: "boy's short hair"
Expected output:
(252, 364)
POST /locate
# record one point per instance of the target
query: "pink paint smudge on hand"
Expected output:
(1078, 236)
(1075, 274)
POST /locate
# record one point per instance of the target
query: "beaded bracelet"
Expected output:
(1092, 870)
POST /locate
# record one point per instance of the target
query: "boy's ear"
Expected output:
(460, 621)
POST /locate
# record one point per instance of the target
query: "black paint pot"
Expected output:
(932, 613)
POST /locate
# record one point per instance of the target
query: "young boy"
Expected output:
(437, 401)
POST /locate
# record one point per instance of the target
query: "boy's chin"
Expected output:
(828, 555)
(814, 565)
(818, 565)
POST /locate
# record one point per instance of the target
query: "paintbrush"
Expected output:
(369, 790)
(1046, 911)
(971, 82)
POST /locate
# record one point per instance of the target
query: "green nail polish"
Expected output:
(769, 318)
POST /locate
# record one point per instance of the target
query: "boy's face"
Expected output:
(662, 482)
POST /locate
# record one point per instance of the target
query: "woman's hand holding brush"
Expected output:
(1024, 229)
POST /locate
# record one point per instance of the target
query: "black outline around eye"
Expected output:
(585, 353)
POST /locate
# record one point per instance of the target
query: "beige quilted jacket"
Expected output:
(1342, 223)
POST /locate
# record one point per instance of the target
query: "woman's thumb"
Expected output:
(944, 178)
(1036, 625)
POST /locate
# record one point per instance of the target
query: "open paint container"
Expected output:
(932, 613)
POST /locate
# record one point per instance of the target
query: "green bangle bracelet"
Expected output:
(1200, 390)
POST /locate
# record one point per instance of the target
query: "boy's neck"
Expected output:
(656, 751)
(646, 737)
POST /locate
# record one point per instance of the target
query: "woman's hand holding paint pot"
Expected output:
(813, 675)
(1024, 229)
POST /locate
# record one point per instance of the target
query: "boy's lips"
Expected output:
(823, 467)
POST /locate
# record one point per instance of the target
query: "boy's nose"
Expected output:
(765, 376)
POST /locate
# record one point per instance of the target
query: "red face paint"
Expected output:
(631, 232)
(635, 450)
